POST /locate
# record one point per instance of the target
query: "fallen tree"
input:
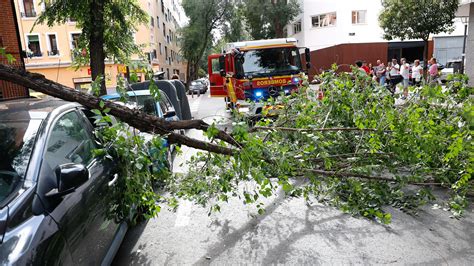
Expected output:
(354, 149)
(135, 118)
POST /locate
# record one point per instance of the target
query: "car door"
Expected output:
(215, 78)
(81, 214)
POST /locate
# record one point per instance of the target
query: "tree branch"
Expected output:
(362, 176)
(260, 128)
(137, 119)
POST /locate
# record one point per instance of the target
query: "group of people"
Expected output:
(392, 74)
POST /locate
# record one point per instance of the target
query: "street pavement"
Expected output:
(291, 231)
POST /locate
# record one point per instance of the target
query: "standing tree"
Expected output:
(409, 19)
(266, 19)
(204, 17)
(107, 29)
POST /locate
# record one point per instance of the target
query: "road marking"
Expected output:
(195, 104)
(183, 213)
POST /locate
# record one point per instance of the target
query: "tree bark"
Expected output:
(96, 43)
(137, 119)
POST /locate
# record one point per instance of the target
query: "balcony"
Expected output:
(28, 14)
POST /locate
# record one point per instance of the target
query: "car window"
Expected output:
(69, 142)
(165, 103)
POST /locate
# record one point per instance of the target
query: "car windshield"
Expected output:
(17, 138)
(194, 83)
(268, 62)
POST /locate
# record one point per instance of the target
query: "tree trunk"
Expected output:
(137, 119)
(96, 43)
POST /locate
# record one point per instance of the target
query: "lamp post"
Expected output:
(465, 21)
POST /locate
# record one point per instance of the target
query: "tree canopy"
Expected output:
(265, 19)
(417, 19)
(204, 17)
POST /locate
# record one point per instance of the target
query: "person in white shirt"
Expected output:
(395, 77)
(405, 73)
(417, 73)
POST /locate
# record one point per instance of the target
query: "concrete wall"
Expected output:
(448, 48)
(470, 47)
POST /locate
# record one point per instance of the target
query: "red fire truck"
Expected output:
(256, 70)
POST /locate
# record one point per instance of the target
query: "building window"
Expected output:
(75, 40)
(162, 7)
(324, 20)
(157, 22)
(34, 47)
(161, 48)
(297, 27)
(154, 54)
(359, 17)
(166, 53)
(52, 44)
(29, 9)
(152, 21)
(164, 30)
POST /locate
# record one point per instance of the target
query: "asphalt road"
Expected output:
(292, 231)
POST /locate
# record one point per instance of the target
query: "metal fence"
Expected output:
(9, 90)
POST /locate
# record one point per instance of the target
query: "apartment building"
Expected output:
(160, 37)
(50, 50)
(341, 31)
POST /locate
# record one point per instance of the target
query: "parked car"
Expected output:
(52, 204)
(197, 87)
(452, 66)
(144, 101)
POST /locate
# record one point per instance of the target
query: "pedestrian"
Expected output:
(365, 67)
(417, 73)
(433, 71)
(405, 73)
(359, 65)
(395, 77)
(380, 72)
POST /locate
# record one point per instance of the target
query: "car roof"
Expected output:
(29, 108)
(129, 93)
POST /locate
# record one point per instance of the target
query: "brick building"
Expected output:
(10, 40)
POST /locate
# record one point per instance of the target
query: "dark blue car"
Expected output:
(52, 188)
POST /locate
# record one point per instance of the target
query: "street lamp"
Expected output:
(465, 21)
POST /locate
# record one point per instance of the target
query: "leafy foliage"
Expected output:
(408, 19)
(204, 17)
(121, 18)
(266, 19)
(141, 159)
(355, 149)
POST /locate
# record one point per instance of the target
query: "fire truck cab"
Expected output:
(256, 70)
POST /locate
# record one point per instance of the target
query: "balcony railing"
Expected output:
(28, 14)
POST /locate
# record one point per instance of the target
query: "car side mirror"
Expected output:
(169, 114)
(222, 66)
(69, 177)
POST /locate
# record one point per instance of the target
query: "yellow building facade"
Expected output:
(50, 50)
